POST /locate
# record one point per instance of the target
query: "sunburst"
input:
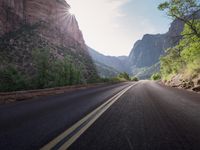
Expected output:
(72, 11)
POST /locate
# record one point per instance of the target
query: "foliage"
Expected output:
(184, 10)
(185, 57)
(134, 79)
(12, 80)
(156, 76)
(49, 72)
(52, 73)
(124, 76)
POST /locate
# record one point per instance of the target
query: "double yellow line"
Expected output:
(68, 137)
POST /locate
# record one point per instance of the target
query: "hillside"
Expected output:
(114, 64)
(144, 57)
(33, 27)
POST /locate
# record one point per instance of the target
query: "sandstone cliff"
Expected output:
(145, 55)
(53, 13)
(26, 25)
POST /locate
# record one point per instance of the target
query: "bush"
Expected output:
(183, 58)
(53, 73)
(156, 76)
(12, 80)
(134, 79)
(124, 76)
(49, 72)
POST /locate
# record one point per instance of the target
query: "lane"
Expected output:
(68, 137)
(32, 124)
(148, 117)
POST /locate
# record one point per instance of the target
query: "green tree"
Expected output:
(125, 76)
(185, 57)
(12, 80)
(42, 62)
(134, 79)
(52, 72)
(184, 10)
(156, 76)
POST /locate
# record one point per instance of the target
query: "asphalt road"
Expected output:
(148, 116)
(29, 125)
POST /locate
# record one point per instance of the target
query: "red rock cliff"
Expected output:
(53, 13)
(28, 25)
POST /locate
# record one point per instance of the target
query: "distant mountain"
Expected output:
(145, 55)
(114, 64)
(27, 25)
(143, 60)
(105, 71)
(146, 52)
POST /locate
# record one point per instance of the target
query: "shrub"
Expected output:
(134, 79)
(53, 73)
(156, 76)
(12, 80)
(183, 58)
(124, 76)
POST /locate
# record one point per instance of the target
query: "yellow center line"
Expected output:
(97, 112)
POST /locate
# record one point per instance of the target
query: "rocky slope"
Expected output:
(146, 52)
(179, 81)
(26, 25)
(143, 60)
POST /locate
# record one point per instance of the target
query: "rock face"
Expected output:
(143, 60)
(26, 25)
(146, 52)
(53, 13)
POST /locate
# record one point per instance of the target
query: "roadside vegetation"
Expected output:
(184, 58)
(48, 73)
(156, 76)
(121, 77)
(134, 79)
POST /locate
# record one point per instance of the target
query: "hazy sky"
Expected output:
(113, 26)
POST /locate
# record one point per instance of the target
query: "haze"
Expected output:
(112, 26)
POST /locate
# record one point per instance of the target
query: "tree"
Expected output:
(184, 57)
(186, 11)
(42, 61)
(12, 80)
(125, 76)
(134, 79)
(156, 76)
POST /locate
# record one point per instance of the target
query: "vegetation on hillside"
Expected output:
(121, 77)
(134, 78)
(48, 73)
(184, 58)
(156, 76)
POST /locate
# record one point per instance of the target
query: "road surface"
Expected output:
(127, 116)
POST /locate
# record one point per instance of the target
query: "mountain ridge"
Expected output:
(143, 59)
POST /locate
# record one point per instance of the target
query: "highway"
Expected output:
(140, 115)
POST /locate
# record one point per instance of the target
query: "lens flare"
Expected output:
(71, 11)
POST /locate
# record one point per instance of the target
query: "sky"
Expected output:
(113, 26)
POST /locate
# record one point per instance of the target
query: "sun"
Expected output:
(71, 11)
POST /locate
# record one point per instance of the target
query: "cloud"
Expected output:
(112, 26)
(97, 20)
